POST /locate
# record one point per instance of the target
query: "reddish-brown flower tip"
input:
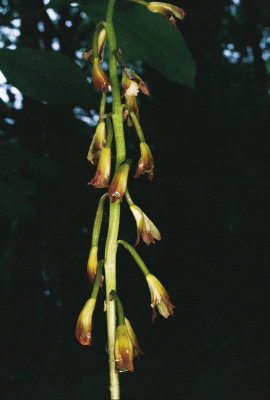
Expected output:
(98, 142)
(118, 185)
(169, 11)
(123, 350)
(159, 298)
(145, 227)
(131, 102)
(102, 176)
(146, 162)
(100, 79)
(84, 323)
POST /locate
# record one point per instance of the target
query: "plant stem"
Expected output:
(98, 221)
(97, 280)
(114, 220)
(137, 258)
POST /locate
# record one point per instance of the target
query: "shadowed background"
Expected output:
(209, 198)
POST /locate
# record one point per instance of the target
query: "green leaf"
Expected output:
(46, 76)
(145, 36)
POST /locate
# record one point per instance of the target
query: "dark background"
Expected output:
(209, 198)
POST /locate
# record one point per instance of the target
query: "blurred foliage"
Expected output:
(209, 198)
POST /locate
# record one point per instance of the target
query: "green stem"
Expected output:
(98, 221)
(129, 198)
(137, 125)
(119, 308)
(135, 256)
(114, 219)
(102, 106)
(109, 132)
(97, 280)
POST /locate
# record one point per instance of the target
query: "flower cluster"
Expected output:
(111, 128)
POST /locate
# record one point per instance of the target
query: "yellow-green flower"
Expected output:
(84, 323)
(126, 347)
(118, 185)
(169, 11)
(131, 102)
(132, 83)
(98, 142)
(99, 78)
(146, 162)
(102, 176)
(159, 297)
(145, 227)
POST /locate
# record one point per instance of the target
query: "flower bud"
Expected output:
(146, 162)
(84, 323)
(102, 176)
(159, 298)
(169, 11)
(145, 227)
(92, 263)
(98, 142)
(118, 185)
(100, 79)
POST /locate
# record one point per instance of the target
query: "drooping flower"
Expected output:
(123, 351)
(131, 102)
(146, 162)
(100, 79)
(88, 54)
(145, 227)
(102, 176)
(137, 351)
(118, 185)
(132, 83)
(84, 323)
(169, 11)
(92, 263)
(159, 298)
(98, 142)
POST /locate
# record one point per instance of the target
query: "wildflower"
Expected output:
(100, 79)
(137, 351)
(132, 83)
(88, 54)
(102, 176)
(146, 162)
(84, 322)
(145, 227)
(123, 350)
(98, 142)
(169, 11)
(119, 183)
(92, 263)
(131, 102)
(159, 298)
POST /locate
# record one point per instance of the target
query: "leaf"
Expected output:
(46, 76)
(145, 36)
